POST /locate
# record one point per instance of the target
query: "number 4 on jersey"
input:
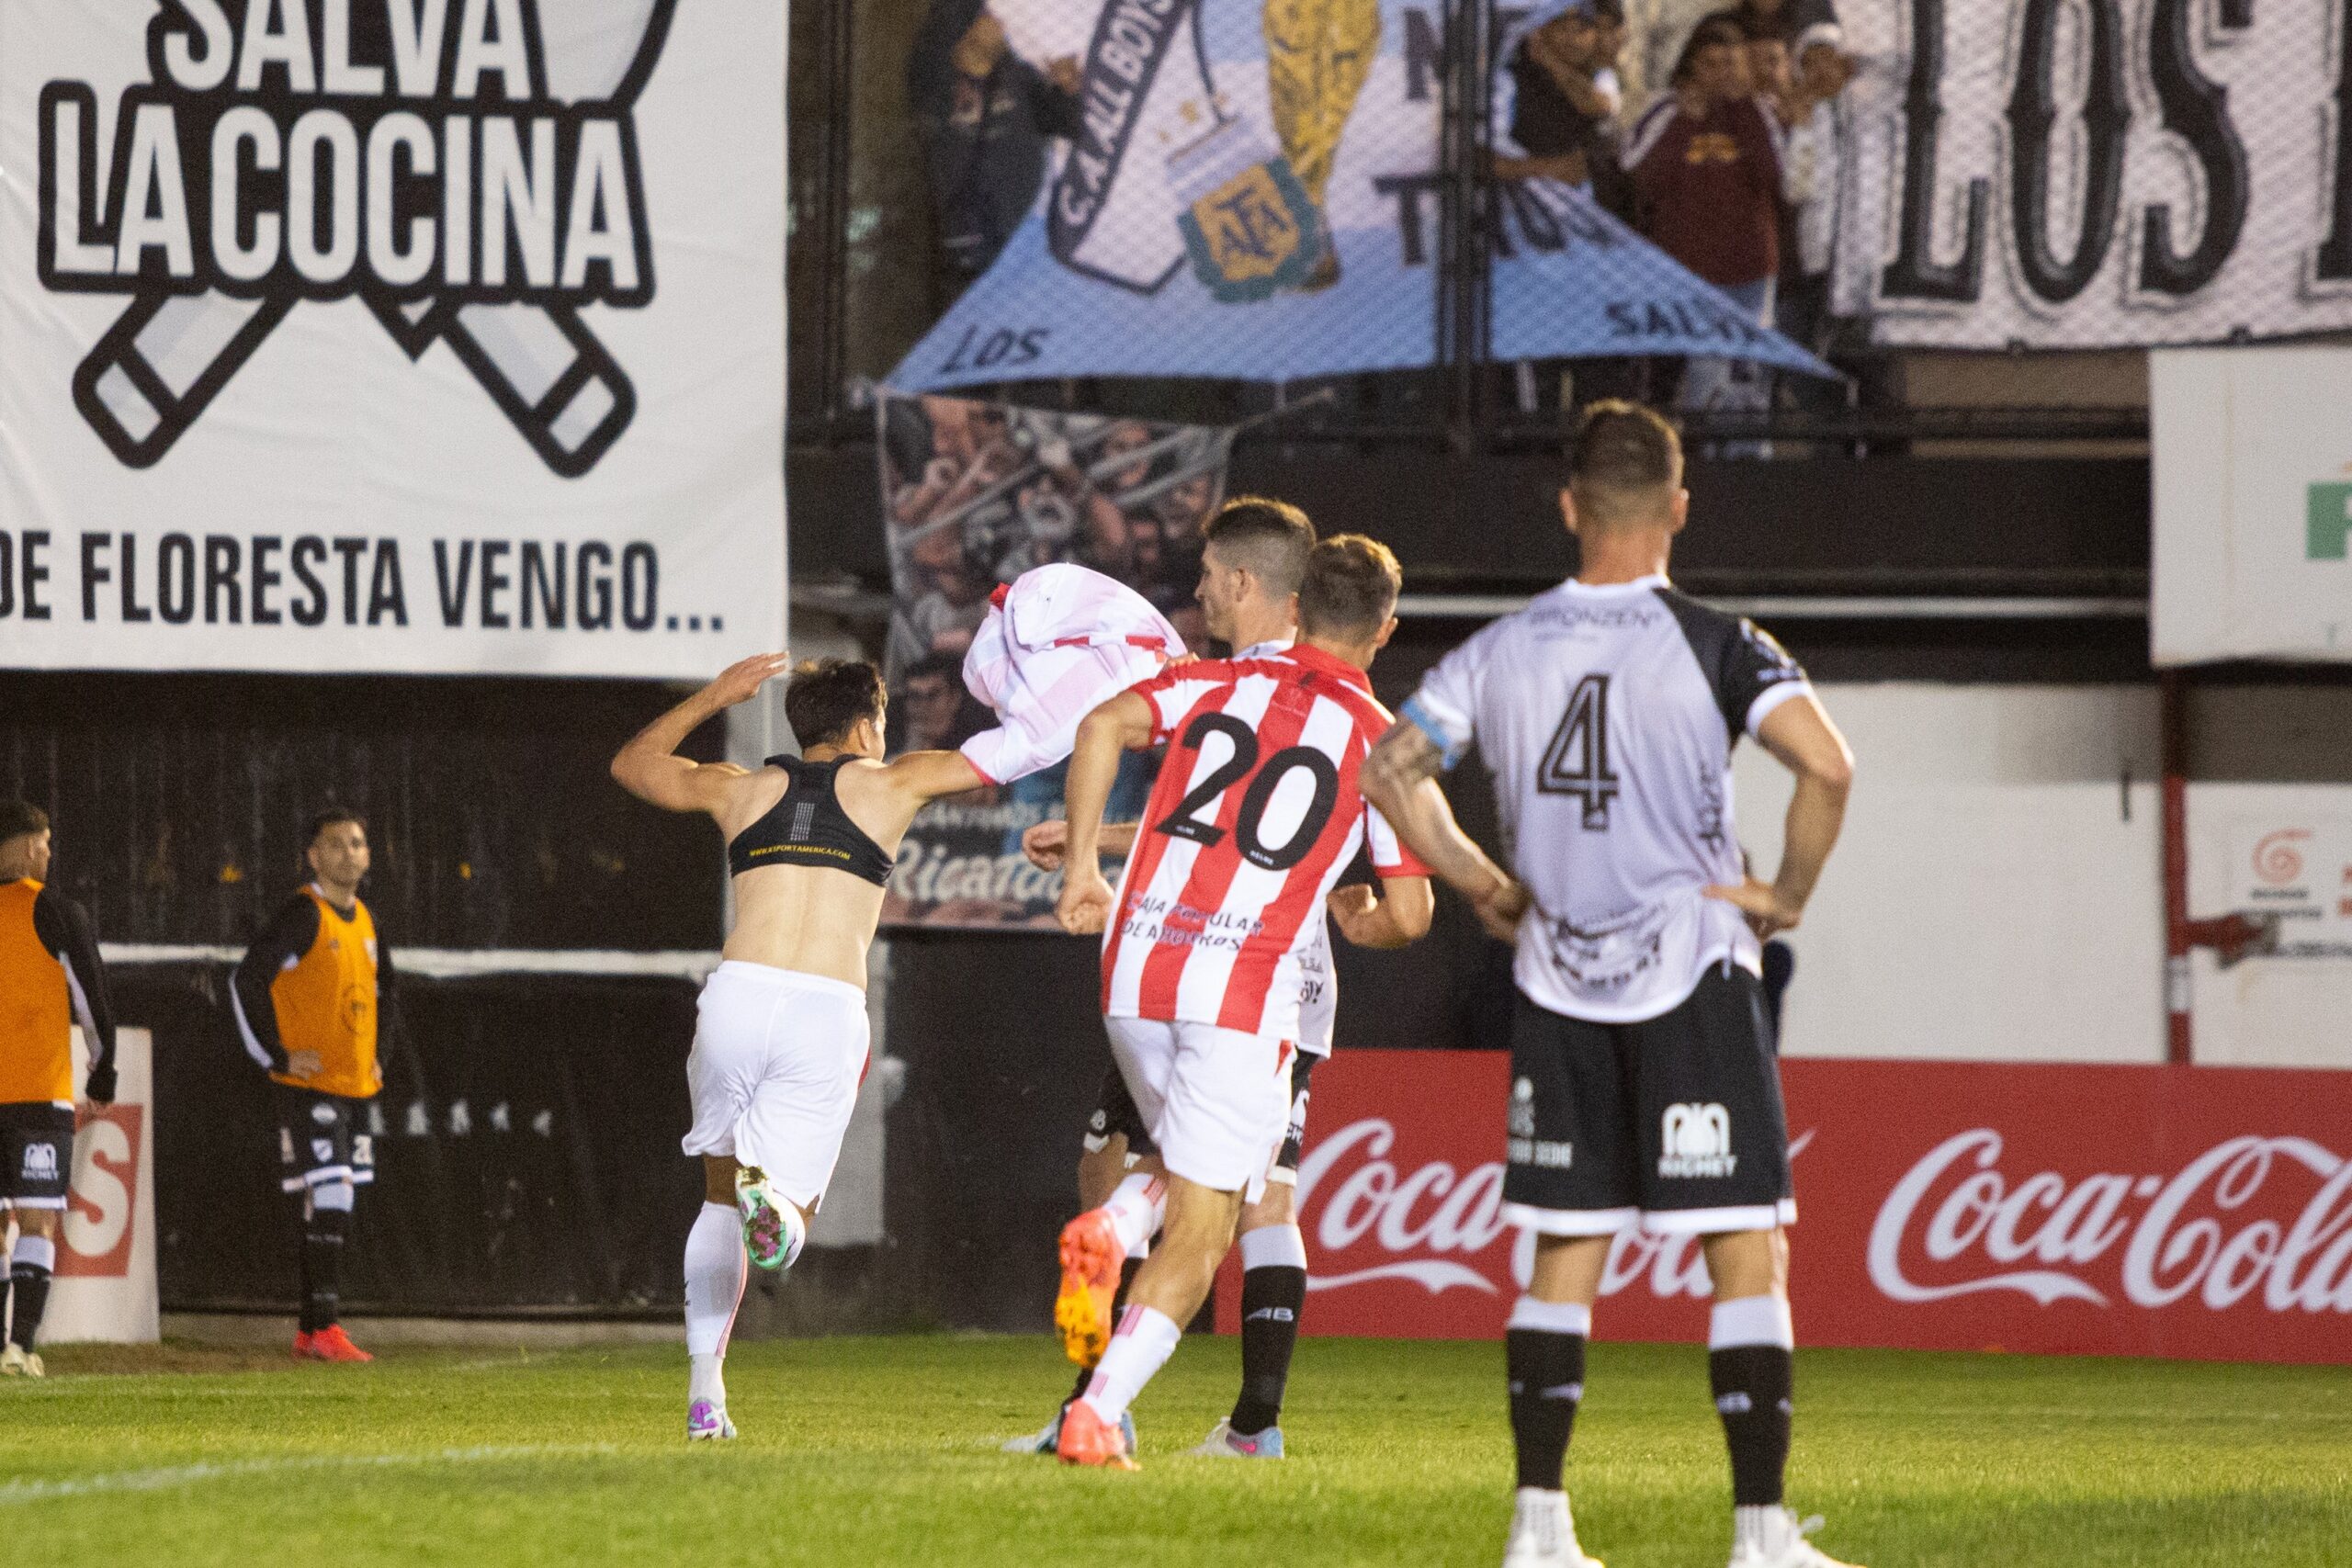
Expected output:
(1577, 761)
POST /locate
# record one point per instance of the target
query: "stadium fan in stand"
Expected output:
(50, 978)
(311, 998)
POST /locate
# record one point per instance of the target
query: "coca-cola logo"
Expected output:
(2223, 1228)
(1430, 1221)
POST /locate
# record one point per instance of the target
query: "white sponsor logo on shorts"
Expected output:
(1522, 1109)
(40, 1162)
(1695, 1140)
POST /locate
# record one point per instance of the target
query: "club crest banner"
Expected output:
(977, 493)
(391, 335)
(1255, 193)
(2111, 173)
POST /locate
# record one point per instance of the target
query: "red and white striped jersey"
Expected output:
(1255, 814)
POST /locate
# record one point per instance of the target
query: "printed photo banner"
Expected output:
(976, 494)
(391, 335)
(1255, 194)
(2103, 174)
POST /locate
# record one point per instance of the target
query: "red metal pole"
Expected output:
(2173, 723)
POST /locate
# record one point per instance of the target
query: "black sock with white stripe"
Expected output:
(1544, 1348)
(1273, 1294)
(29, 1268)
(1751, 1362)
(323, 1268)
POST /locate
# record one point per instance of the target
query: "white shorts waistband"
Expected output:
(769, 975)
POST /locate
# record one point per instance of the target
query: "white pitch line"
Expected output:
(18, 1492)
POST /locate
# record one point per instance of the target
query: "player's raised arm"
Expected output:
(1800, 734)
(648, 766)
(1045, 842)
(923, 776)
(1400, 780)
(1123, 724)
(1398, 915)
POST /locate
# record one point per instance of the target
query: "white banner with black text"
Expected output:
(435, 336)
(2084, 174)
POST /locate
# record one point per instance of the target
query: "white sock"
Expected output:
(707, 1381)
(1136, 1209)
(716, 1269)
(1146, 1338)
(1761, 1529)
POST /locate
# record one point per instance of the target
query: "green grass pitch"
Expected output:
(871, 1451)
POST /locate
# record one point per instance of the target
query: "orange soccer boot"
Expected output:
(1087, 1438)
(1091, 1256)
(328, 1343)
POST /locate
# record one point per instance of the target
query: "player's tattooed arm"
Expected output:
(1123, 724)
(1399, 760)
(1400, 778)
(1398, 916)
(650, 768)
(1045, 842)
(1801, 735)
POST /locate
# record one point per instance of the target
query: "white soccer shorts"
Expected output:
(774, 1073)
(1217, 1100)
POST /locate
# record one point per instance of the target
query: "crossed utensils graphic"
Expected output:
(149, 379)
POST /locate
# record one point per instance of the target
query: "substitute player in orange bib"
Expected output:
(310, 998)
(780, 1036)
(1255, 815)
(50, 978)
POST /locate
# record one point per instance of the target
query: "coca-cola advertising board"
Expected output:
(2194, 1213)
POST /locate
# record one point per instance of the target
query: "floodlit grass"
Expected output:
(868, 1451)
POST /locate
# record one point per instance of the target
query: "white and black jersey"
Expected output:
(1608, 715)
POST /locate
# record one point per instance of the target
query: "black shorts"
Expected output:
(36, 1154)
(1674, 1122)
(1302, 1070)
(323, 1138)
(1115, 1116)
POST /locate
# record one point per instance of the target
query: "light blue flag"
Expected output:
(1569, 281)
(1254, 197)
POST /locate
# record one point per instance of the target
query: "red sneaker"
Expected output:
(1091, 1259)
(329, 1344)
(1087, 1438)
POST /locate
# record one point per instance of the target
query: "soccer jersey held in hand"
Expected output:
(1255, 814)
(1058, 641)
(1608, 715)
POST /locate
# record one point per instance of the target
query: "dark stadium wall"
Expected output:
(529, 1151)
(1491, 523)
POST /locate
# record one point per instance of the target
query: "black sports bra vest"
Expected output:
(807, 826)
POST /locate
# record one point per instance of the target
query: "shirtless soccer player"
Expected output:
(1254, 816)
(1608, 710)
(780, 1040)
